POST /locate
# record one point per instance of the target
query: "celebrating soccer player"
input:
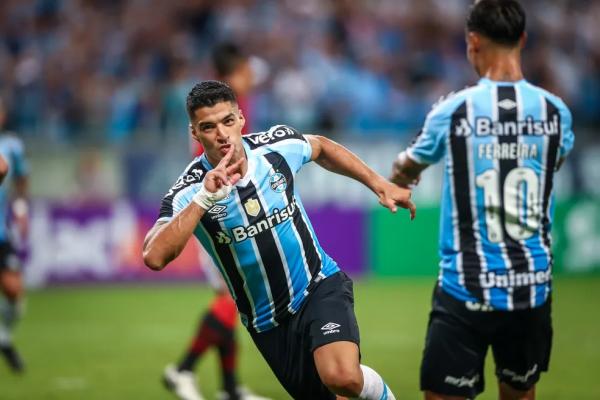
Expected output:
(217, 325)
(239, 199)
(502, 140)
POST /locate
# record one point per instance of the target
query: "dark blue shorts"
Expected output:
(9, 261)
(458, 337)
(327, 316)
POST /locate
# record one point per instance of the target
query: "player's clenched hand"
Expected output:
(391, 196)
(219, 181)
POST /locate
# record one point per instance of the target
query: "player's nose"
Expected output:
(221, 133)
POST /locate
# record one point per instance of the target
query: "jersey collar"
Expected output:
(489, 82)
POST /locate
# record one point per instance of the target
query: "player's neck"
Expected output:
(502, 66)
(244, 167)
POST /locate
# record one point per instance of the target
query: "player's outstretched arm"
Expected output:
(336, 158)
(166, 240)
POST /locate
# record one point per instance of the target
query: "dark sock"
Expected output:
(210, 333)
(230, 385)
(228, 357)
(12, 358)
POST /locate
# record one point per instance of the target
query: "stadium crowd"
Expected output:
(106, 71)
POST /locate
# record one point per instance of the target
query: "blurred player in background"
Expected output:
(217, 325)
(238, 69)
(12, 152)
(292, 297)
(503, 140)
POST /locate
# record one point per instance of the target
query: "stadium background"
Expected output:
(96, 90)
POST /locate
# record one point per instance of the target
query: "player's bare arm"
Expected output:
(3, 169)
(166, 240)
(406, 172)
(336, 158)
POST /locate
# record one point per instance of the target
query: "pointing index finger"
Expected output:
(225, 160)
(235, 167)
(413, 210)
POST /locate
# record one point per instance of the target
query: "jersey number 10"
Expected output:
(522, 208)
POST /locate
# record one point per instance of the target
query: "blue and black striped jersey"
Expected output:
(260, 236)
(13, 151)
(501, 142)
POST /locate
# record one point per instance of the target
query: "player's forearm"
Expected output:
(165, 242)
(336, 158)
(405, 171)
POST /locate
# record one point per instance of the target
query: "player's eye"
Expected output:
(229, 121)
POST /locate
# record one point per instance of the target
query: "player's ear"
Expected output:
(241, 117)
(473, 42)
(523, 40)
(193, 132)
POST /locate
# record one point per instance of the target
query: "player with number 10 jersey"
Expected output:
(502, 142)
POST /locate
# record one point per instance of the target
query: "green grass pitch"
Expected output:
(113, 342)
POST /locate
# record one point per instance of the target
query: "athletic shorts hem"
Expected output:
(521, 386)
(469, 393)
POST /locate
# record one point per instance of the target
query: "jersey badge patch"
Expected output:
(252, 207)
(278, 182)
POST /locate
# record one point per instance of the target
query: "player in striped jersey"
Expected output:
(218, 323)
(239, 200)
(11, 285)
(502, 141)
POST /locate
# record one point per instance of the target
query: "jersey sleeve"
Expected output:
(568, 137)
(285, 140)
(19, 164)
(182, 192)
(430, 145)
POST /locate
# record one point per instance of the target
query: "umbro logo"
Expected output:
(217, 211)
(330, 327)
(507, 104)
(217, 208)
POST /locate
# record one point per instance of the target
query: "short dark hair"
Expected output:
(207, 94)
(227, 57)
(502, 21)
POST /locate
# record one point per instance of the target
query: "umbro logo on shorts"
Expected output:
(330, 327)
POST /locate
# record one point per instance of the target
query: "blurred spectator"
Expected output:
(75, 70)
(91, 183)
